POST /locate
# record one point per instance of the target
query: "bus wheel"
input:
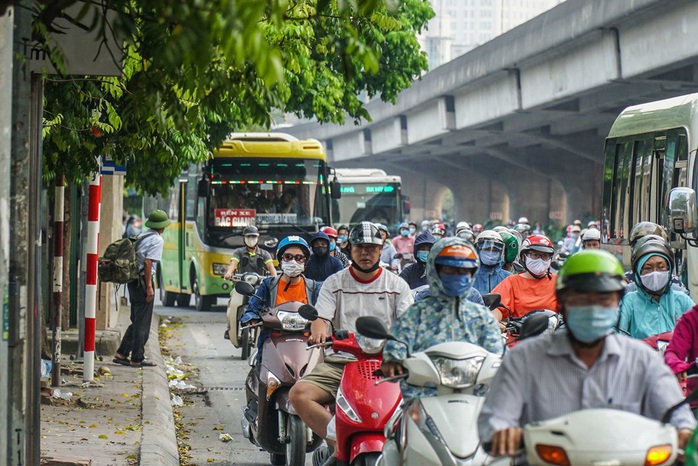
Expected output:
(167, 298)
(202, 303)
(183, 300)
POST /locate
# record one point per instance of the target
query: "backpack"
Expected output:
(118, 264)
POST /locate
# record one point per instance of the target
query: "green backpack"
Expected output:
(118, 264)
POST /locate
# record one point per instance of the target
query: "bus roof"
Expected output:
(269, 145)
(656, 116)
(368, 175)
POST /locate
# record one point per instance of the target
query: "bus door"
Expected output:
(181, 237)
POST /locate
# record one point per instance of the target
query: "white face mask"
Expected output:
(292, 268)
(251, 241)
(537, 267)
(655, 281)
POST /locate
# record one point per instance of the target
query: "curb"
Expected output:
(159, 439)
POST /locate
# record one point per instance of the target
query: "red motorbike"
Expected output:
(659, 343)
(362, 407)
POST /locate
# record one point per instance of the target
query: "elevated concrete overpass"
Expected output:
(516, 126)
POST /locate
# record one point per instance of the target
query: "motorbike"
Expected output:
(601, 437)
(534, 323)
(269, 420)
(362, 408)
(240, 337)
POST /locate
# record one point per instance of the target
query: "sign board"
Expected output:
(234, 218)
(269, 219)
(555, 215)
(85, 52)
(496, 216)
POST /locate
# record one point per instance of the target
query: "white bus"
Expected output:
(369, 194)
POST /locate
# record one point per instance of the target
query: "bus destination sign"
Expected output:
(234, 218)
(366, 188)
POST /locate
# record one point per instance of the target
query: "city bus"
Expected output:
(369, 194)
(650, 159)
(271, 180)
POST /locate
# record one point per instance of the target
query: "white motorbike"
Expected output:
(438, 430)
(241, 337)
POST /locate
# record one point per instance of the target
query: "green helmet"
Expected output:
(511, 246)
(591, 270)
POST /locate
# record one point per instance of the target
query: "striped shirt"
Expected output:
(542, 379)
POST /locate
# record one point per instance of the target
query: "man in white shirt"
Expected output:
(362, 289)
(141, 292)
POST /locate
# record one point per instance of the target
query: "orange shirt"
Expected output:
(294, 293)
(523, 295)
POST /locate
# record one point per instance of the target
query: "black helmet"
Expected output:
(646, 228)
(651, 244)
(250, 231)
(365, 233)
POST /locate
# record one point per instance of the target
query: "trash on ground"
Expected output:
(225, 438)
(177, 400)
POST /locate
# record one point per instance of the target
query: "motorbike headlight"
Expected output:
(291, 320)
(369, 345)
(219, 269)
(458, 373)
(346, 407)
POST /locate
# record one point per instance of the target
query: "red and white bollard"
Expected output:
(58, 215)
(94, 209)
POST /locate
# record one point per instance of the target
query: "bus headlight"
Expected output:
(219, 269)
(291, 320)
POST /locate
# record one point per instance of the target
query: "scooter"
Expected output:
(269, 419)
(538, 322)
(442, 429)
(362, 408)
(245, 338)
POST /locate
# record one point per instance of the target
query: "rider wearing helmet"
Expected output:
(524, 229)
(446, 314)
(334, 250)
(654, 307)
(413, 229)
(342, 238)
(250, 257)
(569, 244)
(591, 239)
(463, 231)
(416, 274)
(533, 289)
(364, 289)
(438, 231)
(321, 264)
(477, 229)
(403, 242)
(639, 231)
(512, 245)
(490, 247)
(583, 363)
(388, 251)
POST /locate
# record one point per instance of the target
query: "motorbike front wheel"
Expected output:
(297, 441)
(367, 459)
(245, 344)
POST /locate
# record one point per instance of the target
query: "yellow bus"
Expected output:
(271, 180)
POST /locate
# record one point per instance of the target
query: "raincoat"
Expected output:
(416, 274)
(487, 277)
(641, 316)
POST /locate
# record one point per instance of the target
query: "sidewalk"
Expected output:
(125, 418)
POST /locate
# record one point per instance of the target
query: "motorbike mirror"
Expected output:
(397, 256)
(534, 324)
(244, 288)
(555, 265)
(693, 396)
(308, 312)
(372, 327)
(492, 300)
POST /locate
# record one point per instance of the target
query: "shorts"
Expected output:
(326, 375)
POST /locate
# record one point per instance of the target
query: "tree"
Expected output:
(196, 70)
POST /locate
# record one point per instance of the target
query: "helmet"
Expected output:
(646, 228)
(569, 228)
(651, 244)
(425, 223)
(289, 241)
(477, 228)
(538, 243)
(523, 220)
(592, 224)
(591, 270)
(462, 225)
(365, 233)
(592, 234)
(522, 227)
(577, 222)
(382, 227)
(342, 227)
(329, 231)
(403, 225)
(576, 229)
(458, 255)
(500, 228)
(438, 229)
(511, 245)
(491, 237)
(250, 231)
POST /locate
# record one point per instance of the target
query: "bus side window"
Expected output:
(621, 198)
(642, 157)
(192, 192)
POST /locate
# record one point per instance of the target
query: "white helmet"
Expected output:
(462, 225)
(490, 236)
(523, 220)
(592, 234)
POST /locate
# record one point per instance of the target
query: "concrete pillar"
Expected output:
(426, 195)
(479, 198)
(534, 196)
(583, 189)
(111, 229)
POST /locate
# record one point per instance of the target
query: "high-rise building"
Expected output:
(461, 25)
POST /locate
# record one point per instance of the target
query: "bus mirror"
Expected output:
(203, 187)
(682, 210)
(336, 189)
(406, 205)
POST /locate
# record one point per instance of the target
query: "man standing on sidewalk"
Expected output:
(141, 292)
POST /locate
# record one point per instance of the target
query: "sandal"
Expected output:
(122, 361)
(143, 363)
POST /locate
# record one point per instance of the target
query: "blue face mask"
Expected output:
(422, 256)
(332, 246)
(412, 230)
(342, 238)
(454, 285)
(591, 323)
(404, 232)
(490, 258)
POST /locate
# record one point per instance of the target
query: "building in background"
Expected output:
(461, 25)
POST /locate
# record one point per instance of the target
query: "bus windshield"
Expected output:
(372, 202)
(265, 192)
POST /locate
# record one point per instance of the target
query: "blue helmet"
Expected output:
(292, 241)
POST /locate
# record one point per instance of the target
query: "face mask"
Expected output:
(342, 238)
(251, 241)
(412, 231)
(404, 232)
(292, 268)
(371, 269)
(655, 281)
(454, 285)
(425, 228)
(590, 323)
(422, 256)
(490, 257)
(333, 246)
(537, 267)
(320, 251)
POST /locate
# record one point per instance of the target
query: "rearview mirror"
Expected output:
(372, 327)
(406, 204)
(682, 210)
(244, 288)
(308, 312)
(203, 188)
(335, 189)
(492, 300)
